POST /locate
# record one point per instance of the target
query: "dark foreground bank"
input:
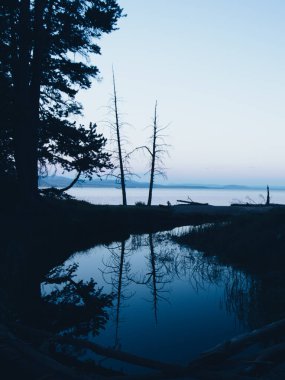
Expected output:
(63, 226)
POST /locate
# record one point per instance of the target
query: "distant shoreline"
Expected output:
(60, 182)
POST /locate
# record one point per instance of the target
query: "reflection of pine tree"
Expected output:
(76, 306)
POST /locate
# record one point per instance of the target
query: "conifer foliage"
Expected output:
(46, 57)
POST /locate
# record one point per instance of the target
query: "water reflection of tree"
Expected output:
(158, 273)
(254, 299)
(203, 272)
(116, 273)
(77, 307)
(70, 306)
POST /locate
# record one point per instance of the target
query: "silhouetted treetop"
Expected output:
(46, 51)
(74, 148)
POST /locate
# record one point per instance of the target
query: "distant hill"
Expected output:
(59, 181)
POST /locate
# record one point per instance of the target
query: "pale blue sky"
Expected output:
(217, 69)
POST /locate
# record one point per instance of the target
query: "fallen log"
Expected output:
(21, 359)
(235, 345)
(267, 359)
(120, 355)
(100, 350)
(192, 203)
(196, 368)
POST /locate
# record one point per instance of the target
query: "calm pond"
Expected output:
(169, 303)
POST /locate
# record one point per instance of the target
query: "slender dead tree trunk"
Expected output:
(153, 156)
(157, 149)
(118, 137)
(268, 197)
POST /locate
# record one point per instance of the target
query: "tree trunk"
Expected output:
(122, 173)
(23, 125)
(36, 78)
(72, 183)
(153, 156)
(27, 67)
(268, 197)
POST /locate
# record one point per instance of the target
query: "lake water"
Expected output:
(169, 302)
(162, 196)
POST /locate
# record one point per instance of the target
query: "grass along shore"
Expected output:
(255, 241)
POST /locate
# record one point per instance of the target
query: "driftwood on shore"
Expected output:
(192, 203)
(208, 213)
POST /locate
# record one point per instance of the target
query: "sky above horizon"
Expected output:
(217, 70)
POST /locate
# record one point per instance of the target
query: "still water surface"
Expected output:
(169, 303)
(161, 196)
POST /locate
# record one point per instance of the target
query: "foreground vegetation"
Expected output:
(253, 241)
(70, 225)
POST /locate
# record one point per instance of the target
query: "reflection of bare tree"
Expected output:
(249, 297)
(203, 271)
(116, 273)
(200, 272)
(254, 300)
(158, 273)
(154, 276)
(239, 292)
(137, 241)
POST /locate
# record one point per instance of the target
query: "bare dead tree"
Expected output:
(117, 125)
(268, 196)
(153, 155)
(158, 150)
